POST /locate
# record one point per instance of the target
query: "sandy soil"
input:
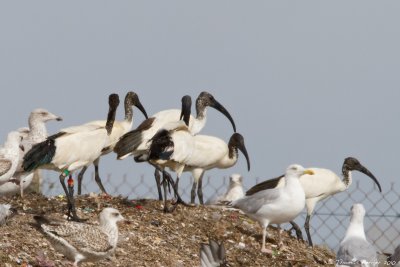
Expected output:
(152, 238)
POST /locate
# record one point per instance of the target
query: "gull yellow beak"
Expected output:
(310, 172)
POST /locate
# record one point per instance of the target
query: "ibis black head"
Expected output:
(186, 109)
(132, 99)
(352, 164)
(237, 141)
(206, 99)
(113, 100)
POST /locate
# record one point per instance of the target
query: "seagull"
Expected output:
(6, 212)
(83, 242)
(9, 156)
(36, 133)
(354, 248)
(37, 129)
(234, 192)
(119, 129)
(323, 184)
(212, 254)
(72, 149)
(277, 205)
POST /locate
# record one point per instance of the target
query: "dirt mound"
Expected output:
(152, 238)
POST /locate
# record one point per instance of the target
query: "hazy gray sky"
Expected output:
(307, 82)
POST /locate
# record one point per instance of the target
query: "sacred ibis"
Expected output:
(137, 143)
(180, 151)
(355, 250)
(71, 150)
(276, 205)
(119, 129)
(324, 183)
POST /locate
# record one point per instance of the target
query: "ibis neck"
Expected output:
(201, 110)
(110, 119)
(233, 151)
(128, 110)
(347, 178)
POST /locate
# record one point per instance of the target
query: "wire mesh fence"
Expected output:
(328, 224)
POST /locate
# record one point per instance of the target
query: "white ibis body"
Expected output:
(137, 142)
(119, 129)
(68, 151)
(180, 151)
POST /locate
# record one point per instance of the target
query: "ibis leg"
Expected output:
(307, 227)
(176, 186)
(297, 229)
(97, 176)
(164, 182)
(70, 198)
(80, 178)
(171, 182)
(193, 192)
(158, 182)
(200, 190)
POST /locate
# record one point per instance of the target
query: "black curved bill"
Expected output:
(368, 173)
(242, 148)
(186, 109)
(141, 108)
(215, 104)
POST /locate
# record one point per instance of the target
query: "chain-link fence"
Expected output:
(328, 223)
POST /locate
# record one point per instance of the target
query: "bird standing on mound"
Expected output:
(323, 184)
(354, 249)
(72, 149)
(83, 242)
(278, 205)
(119, 128)
(137, 142)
